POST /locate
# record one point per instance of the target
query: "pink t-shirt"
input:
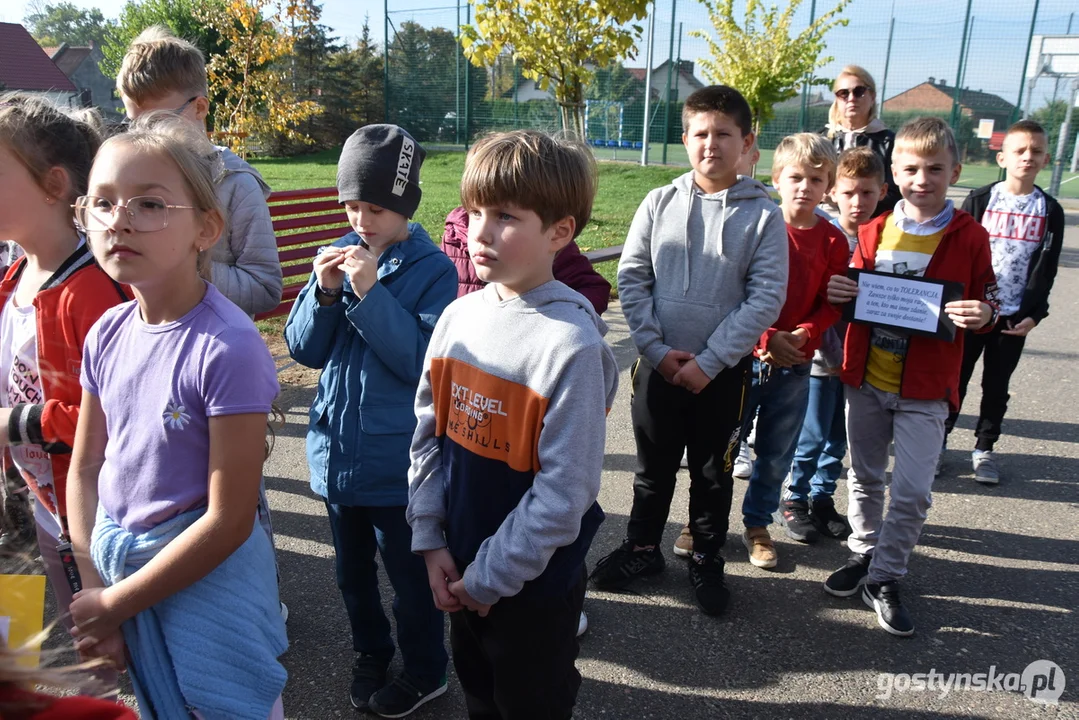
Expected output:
(158, 386)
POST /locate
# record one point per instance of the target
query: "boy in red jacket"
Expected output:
(570, 266)
(900, 387)
(803, 170)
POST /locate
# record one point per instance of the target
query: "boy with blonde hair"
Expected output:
(703, 274)
(803, 170)
(508, 452)
(808, 509)
(901, 386)
(161, 72)
(1026, 234)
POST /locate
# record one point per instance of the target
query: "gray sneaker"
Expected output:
(986, 470)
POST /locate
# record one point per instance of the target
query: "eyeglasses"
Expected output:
(126, 122)
(147, 213)
(858, 92)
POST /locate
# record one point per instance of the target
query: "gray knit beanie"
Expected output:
(380, 164)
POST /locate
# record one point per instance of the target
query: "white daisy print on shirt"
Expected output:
(175, 416)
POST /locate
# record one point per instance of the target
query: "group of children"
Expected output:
(459, 424)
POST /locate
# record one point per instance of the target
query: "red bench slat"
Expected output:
(321, 206)
(282, 195)
(300, 254)
(313, 236)
(310, 221)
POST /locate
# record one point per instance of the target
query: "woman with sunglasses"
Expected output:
(853, 122)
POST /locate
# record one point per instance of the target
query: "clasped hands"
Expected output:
(447, 586)
(334, 263)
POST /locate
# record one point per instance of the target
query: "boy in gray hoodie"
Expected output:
(703, 274)
(508, 449)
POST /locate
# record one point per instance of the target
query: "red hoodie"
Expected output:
(931, 367)
(570, 266)
(816, 254)
(66, 306)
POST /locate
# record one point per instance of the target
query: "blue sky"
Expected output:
(926, 40)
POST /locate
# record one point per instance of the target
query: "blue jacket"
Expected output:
(371, 353)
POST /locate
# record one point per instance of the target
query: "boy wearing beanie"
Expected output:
(365, 318)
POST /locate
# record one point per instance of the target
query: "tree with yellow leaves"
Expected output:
(555, 42)
(253, 87)
(759, 57)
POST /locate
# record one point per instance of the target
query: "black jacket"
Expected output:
(881, 142)
(1043, 263)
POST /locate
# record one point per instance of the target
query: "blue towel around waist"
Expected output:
(213, 646)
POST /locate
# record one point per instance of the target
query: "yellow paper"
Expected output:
(22, 614)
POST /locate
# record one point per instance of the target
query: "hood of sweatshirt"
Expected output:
(550, 298)
(229, 163)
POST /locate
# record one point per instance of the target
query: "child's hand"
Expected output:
(969, 314)
(441, 570)
(841, 289)
(327, 267)
(95, 616)
(783, 348)
(692, 378)
(112, 649)
(457, 587)
(672, 362)
(1019, 329)
(361, 265)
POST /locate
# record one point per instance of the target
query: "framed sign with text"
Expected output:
(899, 302)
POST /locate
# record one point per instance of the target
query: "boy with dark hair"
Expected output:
(702, 276)
(900, 386)
(1026, 233)
(508, 452)
(808, 508)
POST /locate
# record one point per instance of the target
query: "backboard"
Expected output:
(1053, 56)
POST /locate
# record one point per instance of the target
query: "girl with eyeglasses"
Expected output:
(49, 299)
(853, 122)
(169, 450)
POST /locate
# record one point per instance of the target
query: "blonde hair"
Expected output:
(805, 149)
(926, 136)
(835, 116)
(860, 163)
(157, 63)
(554, 177)
(188, 148)
(42, 136)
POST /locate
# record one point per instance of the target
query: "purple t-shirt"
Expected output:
(158, 386)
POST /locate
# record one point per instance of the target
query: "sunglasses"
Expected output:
(126, 122)
(858, 92)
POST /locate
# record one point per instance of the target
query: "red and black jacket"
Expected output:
(931, 367)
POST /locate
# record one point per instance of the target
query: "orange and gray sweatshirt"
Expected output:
(508, 449)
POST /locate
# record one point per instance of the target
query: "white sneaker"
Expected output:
(582, 624)
(743, 464)
(284, 612)
(986, 470)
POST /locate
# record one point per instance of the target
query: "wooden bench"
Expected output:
(305, 220)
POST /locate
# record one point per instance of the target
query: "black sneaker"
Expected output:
(368, 677)
(404, 695)
(618, 569)
(706, 577)
(845, 581)
(891, 615)
(828, 522)
(796, 518)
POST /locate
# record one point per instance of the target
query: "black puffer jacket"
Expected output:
(881, 140)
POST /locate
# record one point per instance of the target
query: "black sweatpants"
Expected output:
(668, 419)
(1001, 355)
(518, 662)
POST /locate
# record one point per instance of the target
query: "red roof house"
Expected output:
(24, 65)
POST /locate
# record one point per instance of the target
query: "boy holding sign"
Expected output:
(901, 386)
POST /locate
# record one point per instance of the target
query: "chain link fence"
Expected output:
(963, 61)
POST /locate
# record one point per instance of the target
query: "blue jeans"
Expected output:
(779, 397)
(357, 533)
(818, 460)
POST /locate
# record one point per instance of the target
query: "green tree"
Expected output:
(66, 23)
(616, 83)
(555, 42)
(178, 15)
(1051, 116)
(759, 56)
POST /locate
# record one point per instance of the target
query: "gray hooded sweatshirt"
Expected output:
(246, 268)
(705, 274)
(508, 450)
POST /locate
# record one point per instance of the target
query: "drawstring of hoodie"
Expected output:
(689, 214)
